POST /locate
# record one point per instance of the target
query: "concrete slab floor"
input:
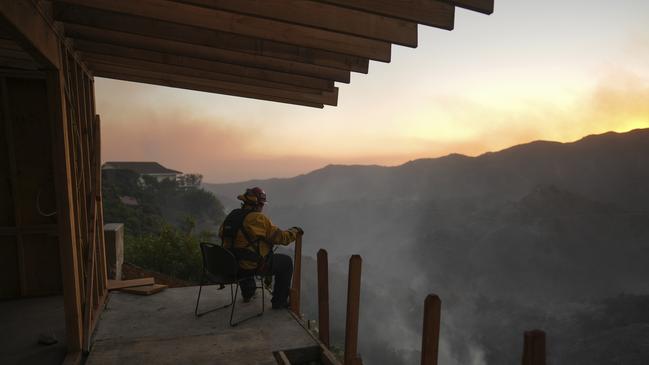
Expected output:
(22, 321)
(162, 329)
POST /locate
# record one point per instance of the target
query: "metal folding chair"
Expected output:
(221, 267)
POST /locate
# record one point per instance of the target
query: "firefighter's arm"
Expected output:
(263, 228)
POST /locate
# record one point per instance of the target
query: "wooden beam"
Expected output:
(296, 287)
(323, 16)
(325, 97)
(430, 336)
(105, 62)
(250, 26)
(353, 310)
(28, 26)
(429, 12)
(104, 51)
(121, 284)
(323, 297)
(103, 41)
(176, 82)
(201, 42)
(481, 6)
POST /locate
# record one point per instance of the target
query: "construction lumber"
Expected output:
(430, 337)
(481, 6)
(121, 284)
(251, 26)
(353, 310)
(132, 45)
(323, 16)
(429, 12)
(189, 35)
(216, 86)
(296, 286)
(323, 297)
(195, 67)
(145, 289)
(30, 28)
(534, 348)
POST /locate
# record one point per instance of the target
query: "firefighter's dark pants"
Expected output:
(281, 267)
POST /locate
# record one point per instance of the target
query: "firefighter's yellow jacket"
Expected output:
(259, 227)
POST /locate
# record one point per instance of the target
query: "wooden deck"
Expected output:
(162, 329)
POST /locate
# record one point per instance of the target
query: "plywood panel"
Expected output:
(42, 266)
(32, 145)
(9, 277)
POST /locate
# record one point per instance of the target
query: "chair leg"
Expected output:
(234, 303)
(263, 298)
(200, 288)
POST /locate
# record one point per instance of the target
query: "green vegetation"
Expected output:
(164, 222)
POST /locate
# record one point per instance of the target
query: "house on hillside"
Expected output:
(152, 169)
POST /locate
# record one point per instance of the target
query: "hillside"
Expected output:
(537, 235)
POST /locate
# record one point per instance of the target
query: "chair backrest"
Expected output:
(219, 263)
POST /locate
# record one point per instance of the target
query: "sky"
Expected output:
(533, 70)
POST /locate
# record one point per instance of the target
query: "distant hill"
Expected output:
(534, 236)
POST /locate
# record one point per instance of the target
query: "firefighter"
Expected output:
(250, 236)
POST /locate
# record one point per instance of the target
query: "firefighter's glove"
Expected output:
(297, 230)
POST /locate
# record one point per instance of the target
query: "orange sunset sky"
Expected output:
(552, 70)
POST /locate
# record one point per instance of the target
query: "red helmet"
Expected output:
(253, 196)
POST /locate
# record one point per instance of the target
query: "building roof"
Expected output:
(145, 168)
(281, 50)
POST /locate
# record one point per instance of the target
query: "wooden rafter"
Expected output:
(323, 16)
(107, 52)
(246, 25)
(481, 6)
(73, 16)
(429, 12)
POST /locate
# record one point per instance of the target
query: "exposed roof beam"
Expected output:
(95, 60)
(251, 26)
(186, 36)
(429, 12)
(324, 16)
(27, 25)
(201, 84)
(98, 50)
(481, 6)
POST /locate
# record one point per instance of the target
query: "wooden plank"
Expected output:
(96, 60)
(481, 6)
(145, 289)
(429, 12)
(323, 16)
(281, 358)
(534, 348)
(32, 31)
(7, 117)
(128, 44)
(430, 336)
(327, 357)
(120, 284)
(250, 26)
(323, 297)
(159, 78)
(353, 309)
(106, 51)
(68, 246)
(296, 286)
(231, 45)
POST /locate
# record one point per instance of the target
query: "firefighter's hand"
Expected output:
(298, 230)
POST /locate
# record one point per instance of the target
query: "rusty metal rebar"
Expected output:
(430, 336)
(323, 297)
(353, 304)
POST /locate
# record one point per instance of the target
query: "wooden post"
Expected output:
(353, 303)
(430, 336)
(534, 348)
(323, 297)
(297, 277)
